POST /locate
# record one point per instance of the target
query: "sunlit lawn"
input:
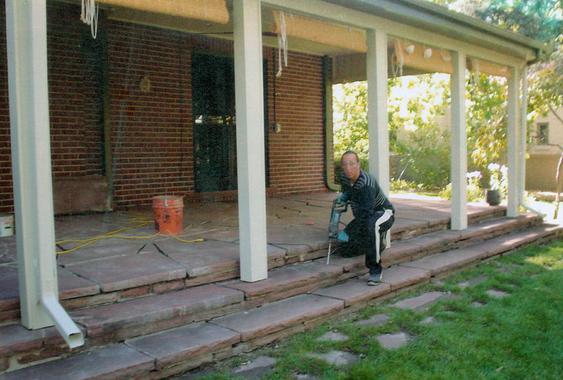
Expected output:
(516, 337)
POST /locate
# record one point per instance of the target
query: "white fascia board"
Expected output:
(336, 13)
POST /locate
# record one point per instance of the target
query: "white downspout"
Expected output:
(26, 25)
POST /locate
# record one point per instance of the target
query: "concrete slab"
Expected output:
(116, 361)
(400, 276)
(279, 315)
(420, 302)
(354, 291)
(184, 343)
(145, 315)
(256, 368)
(393, 341)
(374, 321)
(332, 336)
(129, 271)
(336, 358)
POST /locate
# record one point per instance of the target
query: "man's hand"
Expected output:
(341, 198)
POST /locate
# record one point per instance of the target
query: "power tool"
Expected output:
(333, 227)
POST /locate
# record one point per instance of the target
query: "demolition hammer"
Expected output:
(337, 209)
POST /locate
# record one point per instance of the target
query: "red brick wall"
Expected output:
(151, 136)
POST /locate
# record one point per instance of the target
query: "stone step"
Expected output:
(118, 321)
(109, 273)
(193, 344)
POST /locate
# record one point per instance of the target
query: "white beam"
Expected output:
(459, 144)
(250, 140)
(513, 143)
(376, 68)
(26, 22)
(523, 135)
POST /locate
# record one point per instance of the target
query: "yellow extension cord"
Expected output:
(116, 234)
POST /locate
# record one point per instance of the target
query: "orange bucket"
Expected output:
(168, 214)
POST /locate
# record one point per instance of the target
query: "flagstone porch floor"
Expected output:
(125, 253)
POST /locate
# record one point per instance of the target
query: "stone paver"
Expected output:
(279, 315)
(374, 321)
(354, 291)
(125, 272)
(472, 282)
(497, 293)
(393, 341)
(477, 304)
(146, 313)
(116, 361)
(336, 358)
(428, 321)
(419, 302)
(184, 343)
(303, 376)
(332, 336)
(256, 369)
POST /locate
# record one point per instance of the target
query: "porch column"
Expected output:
(459, 144)
(26, 26)
(523, 136)
(513, 144)
(378, 133)
(250, 136)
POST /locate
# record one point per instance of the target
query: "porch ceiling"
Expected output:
(318, 35)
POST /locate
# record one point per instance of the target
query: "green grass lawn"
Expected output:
(519, 336)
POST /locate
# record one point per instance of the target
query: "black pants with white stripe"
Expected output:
(363, 239)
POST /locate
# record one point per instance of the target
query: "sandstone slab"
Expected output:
(129, 271)
(354, 291)
(116, 361)
(184, 343)
(146, 315)
(279, 315)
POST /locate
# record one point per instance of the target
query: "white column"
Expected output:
(459, 144)
(513, 144)
(523, 135)
(26, 24)
(376, 68)
(250, 140)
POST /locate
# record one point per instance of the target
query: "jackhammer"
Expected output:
(335, 214)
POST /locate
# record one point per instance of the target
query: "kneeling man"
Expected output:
(373, 215)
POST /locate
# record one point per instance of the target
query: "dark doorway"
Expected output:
(213, 94)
